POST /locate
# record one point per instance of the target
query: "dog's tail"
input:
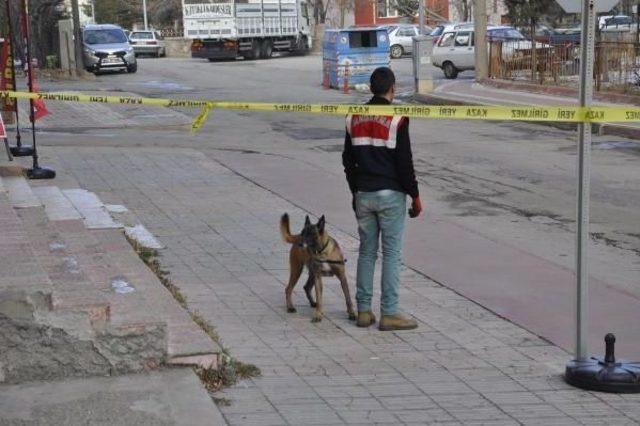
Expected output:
(286, 232)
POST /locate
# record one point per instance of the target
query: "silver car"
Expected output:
(106, 47)
(401, 39)
(147, 43)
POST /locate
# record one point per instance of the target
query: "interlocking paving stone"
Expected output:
(463, 365)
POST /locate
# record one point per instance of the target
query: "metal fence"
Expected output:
(171, 32)
(617, 65)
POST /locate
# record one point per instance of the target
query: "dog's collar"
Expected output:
(331, 262)
(325, 246)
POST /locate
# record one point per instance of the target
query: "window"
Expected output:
(363, 39)
(462, 39)
(447, 40)
(104, 37)
(407, 32)
(142, 35)
(386, 9)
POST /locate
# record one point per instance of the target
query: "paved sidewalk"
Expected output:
(468, 92)
(78, 117)
(463, 365)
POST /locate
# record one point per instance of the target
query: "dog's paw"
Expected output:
(313, 304)
(352, 316)
(292, 310)
(316, 319)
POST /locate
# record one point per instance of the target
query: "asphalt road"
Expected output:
(511, 184)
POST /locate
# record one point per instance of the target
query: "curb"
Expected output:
(601, 129)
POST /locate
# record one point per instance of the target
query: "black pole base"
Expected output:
(598, 375)
(605, 374)
(41, 173)
(21, 151)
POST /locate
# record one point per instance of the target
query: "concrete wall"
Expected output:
(178, 47)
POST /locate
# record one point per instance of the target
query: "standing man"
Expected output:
(379, 167)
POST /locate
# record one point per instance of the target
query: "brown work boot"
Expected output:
(365, 319)
(397, 322)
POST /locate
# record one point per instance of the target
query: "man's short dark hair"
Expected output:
(382, 80)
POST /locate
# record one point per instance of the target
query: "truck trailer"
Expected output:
(253, 29)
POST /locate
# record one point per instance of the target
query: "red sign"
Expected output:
(3, 131)
(6, 78)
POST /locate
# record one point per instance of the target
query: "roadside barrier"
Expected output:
(516, 113)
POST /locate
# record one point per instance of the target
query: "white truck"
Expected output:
(253, 29)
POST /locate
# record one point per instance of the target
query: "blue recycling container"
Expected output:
(353, 54)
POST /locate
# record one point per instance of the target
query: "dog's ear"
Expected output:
(321, 223)
(307, 221)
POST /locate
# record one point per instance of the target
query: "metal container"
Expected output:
(350, 55)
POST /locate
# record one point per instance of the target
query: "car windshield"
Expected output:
(142, 35)
(390, 28)
(113, 36)
(619, 20)
(437, 31)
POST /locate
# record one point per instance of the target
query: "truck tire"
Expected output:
(450, 70)
(301, 46)
(254, 53)
(266, 49)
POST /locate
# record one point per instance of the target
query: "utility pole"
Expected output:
(421, 16)
(480, 24)
(77, 37)
(146, 21)
(93, 11)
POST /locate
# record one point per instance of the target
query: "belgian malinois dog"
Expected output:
(321, 254)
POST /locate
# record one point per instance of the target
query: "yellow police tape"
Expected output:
(515, 113)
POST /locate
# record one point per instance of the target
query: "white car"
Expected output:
(455, 50)
(147, 43)
(401, 39)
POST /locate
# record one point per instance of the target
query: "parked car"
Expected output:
(106, 47)
(455, 51)
(619, 23)
(401, 39)
(148, 43)
(437, 32)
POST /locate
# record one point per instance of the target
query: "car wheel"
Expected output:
(211, 59)
(132, 69)
(396, 51)
(450, 71)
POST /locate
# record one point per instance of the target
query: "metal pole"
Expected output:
(93, 11)
(10, 36)
(584, 170)
(421, 16)
(29, 68)
(480, 24)
(146, 22)
(36, 172)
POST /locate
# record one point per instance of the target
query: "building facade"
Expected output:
(383, 12)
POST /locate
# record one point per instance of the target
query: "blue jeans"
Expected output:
(381, 212)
